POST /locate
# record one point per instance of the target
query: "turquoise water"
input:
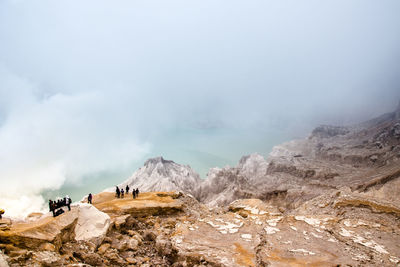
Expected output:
(202, 149)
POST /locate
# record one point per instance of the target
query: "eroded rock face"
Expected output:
(329, 200)
(45, 230)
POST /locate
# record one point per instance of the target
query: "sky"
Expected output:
(90, 89)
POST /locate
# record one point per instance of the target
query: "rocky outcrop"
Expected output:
(45, 230)
(328, 200)
(223, 186)
(88, 235)
(159, 174)
(147, 204)
(92, 224)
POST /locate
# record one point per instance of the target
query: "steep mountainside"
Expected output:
(331, 158)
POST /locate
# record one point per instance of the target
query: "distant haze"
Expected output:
(90, 89)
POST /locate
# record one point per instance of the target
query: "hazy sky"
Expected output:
(98, 86)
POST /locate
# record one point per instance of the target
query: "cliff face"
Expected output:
(328, 200)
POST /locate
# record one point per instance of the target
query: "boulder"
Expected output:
(92, 224)
(125, 243)
(132, 244)
(113, 256)
(47, 258)
(149, 235)
(164, 246)
(103, 248)
(120, 221)
(47, 247)
(93, 259)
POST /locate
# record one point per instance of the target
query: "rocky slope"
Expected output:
(159, 174)
(328, 200)
(343, 228)
(331, 158)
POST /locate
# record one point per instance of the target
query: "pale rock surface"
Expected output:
(92, 224)
(44, 230)
(3, 260)
(159, 174)
(253, 166)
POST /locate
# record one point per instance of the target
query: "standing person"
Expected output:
(122, 193)
(118, 192)
(137, 192)
(53, 208)
(127, 189)
(50, 204)
(68, 202)
(134, 193)
(89, 198)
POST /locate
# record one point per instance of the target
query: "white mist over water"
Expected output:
(88, 94)
(47, 140)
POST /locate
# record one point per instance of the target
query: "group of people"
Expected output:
(119, 193)
(56, 206)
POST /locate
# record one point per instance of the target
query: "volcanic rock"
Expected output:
(92, 224)
(159, 174)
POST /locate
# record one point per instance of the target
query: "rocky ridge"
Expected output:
(159, 174)
(328, 200)
(331, 157)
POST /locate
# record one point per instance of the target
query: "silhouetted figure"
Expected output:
(127, 189)
(134, 193)
(68, 202)
(53, 208)
(122, 193)
(89, 198)
(50, 205)
(58, 212)
(137, 192)
(117, 192)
